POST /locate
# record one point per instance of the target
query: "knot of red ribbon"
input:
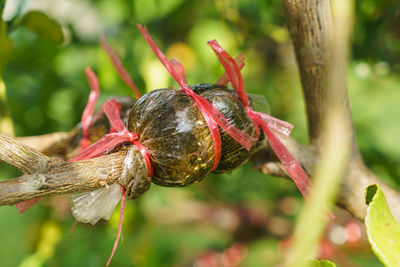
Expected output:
(121, 134)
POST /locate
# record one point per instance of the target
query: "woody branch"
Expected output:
(310, 27)
(45, 176)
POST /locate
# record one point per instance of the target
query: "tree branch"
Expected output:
(52, 144)
(46, 176)
(309, 23)
(21, 156)
(356, 179)
(310, 26)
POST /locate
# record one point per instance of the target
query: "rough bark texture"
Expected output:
(52, 144)
(46, 176)
(309, 23)
(356, 179)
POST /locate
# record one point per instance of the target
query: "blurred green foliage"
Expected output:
(323, 263)
(47, 91)
(43, 26)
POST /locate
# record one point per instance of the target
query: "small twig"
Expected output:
(65, 145)
(21, 156)
(46, 177)
(357, 177)
(52, 144)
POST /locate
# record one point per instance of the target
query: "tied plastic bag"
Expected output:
(180, 129)
(90, 207)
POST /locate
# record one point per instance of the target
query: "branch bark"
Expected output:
(46, 176)
(310, 26)
(356, 179)
(52, 144)
(309, 23)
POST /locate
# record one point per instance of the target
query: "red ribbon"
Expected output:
(211, 114)
(265, 121)
(126, 78)
(224, 79)
(87, 113)
(112, 109)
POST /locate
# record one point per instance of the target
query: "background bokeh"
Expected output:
(243, 216)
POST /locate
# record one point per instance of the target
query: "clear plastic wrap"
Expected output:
(179, 130)
(90, 207)
(170, 125)
(233, 154)
(173, 130)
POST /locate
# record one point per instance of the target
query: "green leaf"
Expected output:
(155, 9)
(320, 263)
(2, 4)
(44, 26)
(382, 229)
(6, 123)
(5, 46)
(370, 193)
(314, 263)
